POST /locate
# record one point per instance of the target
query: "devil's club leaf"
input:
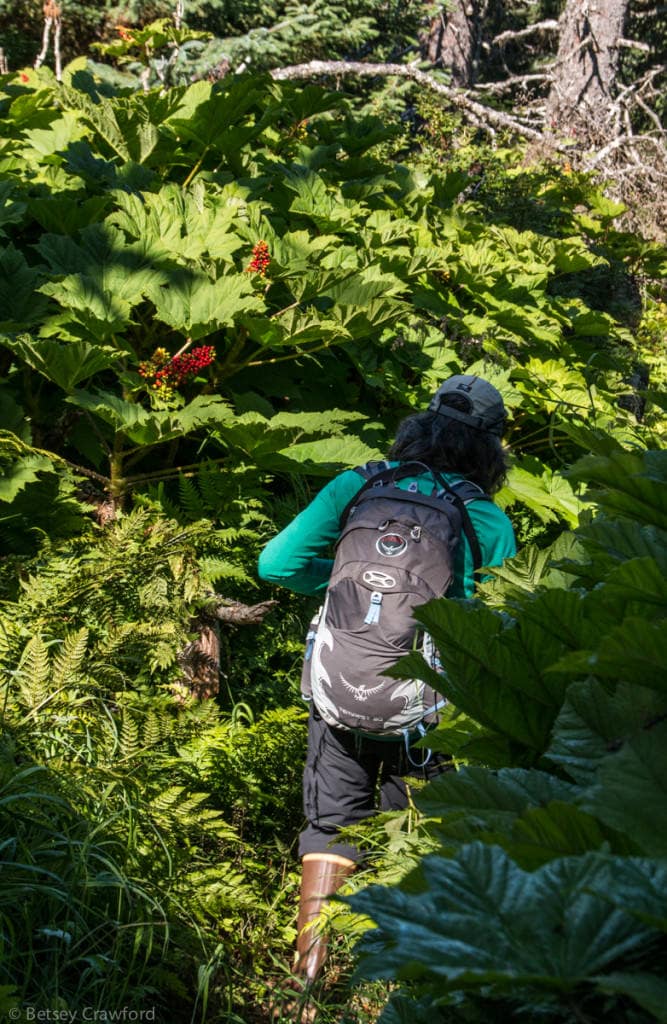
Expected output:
(21, 305)
(478, 919)
(195, 305)
(65, 364)
(147, 428)
(594, 721)
(647, 990)
(627, 484)
(503, 794)
(630, 790)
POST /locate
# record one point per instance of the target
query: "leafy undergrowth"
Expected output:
(213, 298)
(544, 897)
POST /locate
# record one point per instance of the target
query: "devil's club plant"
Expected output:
(545, 893)
(327, 278)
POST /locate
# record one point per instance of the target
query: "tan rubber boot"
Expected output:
(322, 875)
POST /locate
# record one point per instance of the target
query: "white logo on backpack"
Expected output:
(377, 579)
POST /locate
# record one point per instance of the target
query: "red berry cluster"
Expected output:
(165, 373)
(190, 363)
(260, 259)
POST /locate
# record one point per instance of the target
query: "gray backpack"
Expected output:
(395, 551)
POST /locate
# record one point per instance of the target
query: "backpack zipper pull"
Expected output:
(373, 613)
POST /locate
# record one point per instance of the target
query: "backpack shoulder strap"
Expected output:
(376, 474)
(462, 493)
(369, 469)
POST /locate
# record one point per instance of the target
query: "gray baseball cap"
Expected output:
(486, 410)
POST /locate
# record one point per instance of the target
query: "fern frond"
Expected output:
(222, 890)
(34, 672)
(69, 658)
(9, 635)
(213, 487)
(190, 498)
(220, 568)
(154, 729)
(130, 742)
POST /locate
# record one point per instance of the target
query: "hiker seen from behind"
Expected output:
(415, 527)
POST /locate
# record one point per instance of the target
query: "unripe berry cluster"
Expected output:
(165, 373)
(260, 259)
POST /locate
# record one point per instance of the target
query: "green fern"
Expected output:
(191, 499)
(34, 673)
(68, 660)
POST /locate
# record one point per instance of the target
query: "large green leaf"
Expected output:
(647, 990)
(104, 277)
(211, 114)
(66, 364)
(21, 305)
(195, 305)
(574, 254)
(126, 129)
(531, 567)
(543, 490)
(629, 558)
(57, 137)
(479, 919)
(594, 720)
(627, 483)
(66, 215)
(523, 654)
(21, 472)
(325, 456)
(500, 796)
(630, 789)
(623, 540)
(147, 428)
(298, 251)
(635, 652)
(327, 210)
(257, 434)
(180, 224)
(491, 670)
(531, 814)
(638, 887)
(560, 829)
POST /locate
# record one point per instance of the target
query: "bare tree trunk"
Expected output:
(200, 659)
(580, 101)
(453, 39)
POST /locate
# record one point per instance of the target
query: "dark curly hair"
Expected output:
(451, 446)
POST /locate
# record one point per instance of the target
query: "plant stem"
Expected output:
(293, 355)
(197, 167)
(89, 472)
(184, 348)
(117, 484)
(174, 471)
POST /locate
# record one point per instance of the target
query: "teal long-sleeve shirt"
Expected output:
(293, 558)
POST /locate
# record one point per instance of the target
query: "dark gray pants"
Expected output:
(342, 774)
